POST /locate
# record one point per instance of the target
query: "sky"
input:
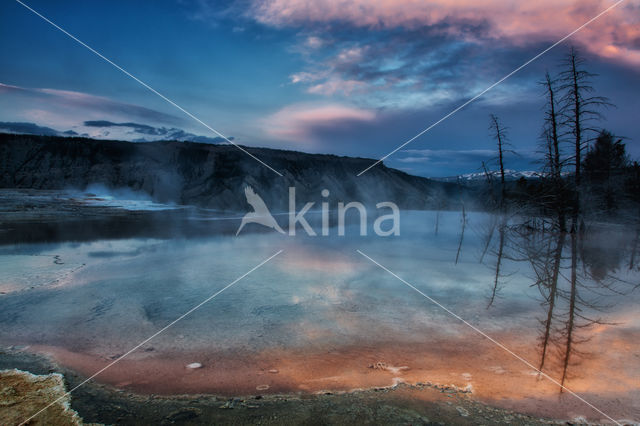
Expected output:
(354, 78)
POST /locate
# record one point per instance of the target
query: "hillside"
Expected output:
(207, 175)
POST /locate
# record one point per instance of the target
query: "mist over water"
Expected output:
(321, 300)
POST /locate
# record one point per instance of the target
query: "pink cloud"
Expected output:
(614, 35)
(295, 123)
(336, 85)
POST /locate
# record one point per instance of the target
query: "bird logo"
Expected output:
(260, 213)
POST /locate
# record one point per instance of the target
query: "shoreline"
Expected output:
(399, 404)
(439, 403)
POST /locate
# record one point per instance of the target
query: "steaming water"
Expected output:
(100, 298)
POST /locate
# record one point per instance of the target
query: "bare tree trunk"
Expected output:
(577, 119)
(555, 163)
(553, 122)
(578, 139)
(500, 136)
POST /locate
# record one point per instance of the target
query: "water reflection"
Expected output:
(579, 277)
(320, 314)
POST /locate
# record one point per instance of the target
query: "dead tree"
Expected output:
(579, 108)
(552, 140)
(552, 126)
(500, 136)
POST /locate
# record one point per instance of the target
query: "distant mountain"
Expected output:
(207, 175)
(136, 132)
(481, 176)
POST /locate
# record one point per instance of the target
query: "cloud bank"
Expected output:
(614, 35)
(420, 54)
(87, 115)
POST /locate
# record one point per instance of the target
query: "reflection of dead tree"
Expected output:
(544, 252)
(500, 253)
(489, 237)
(537, 247)
(576, 319)
(439, 204)
(572, 307)
(573, 300)
(552, 287)
(576, 278)
(494, 204)
(464, 225)
(634, 248)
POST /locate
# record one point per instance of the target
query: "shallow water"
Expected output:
(320, 316)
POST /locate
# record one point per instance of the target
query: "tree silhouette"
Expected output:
(552, 127)
(605, 157)
(579, 109)
(500, 135)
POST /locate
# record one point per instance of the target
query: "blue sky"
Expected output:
(355, 78)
